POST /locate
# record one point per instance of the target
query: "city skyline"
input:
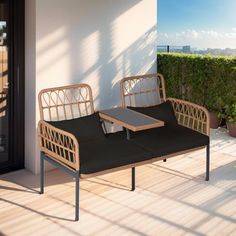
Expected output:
(199, 23)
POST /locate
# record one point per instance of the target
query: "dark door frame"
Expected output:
(16, 37)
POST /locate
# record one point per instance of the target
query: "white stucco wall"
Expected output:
(94, 42)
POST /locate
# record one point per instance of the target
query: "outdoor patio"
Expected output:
(171, 198)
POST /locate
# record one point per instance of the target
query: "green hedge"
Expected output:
(205, 80)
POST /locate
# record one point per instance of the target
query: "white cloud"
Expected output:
(190, 34)
(165, 35)
(200, 39)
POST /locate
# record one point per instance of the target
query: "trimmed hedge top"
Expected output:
(206, 80)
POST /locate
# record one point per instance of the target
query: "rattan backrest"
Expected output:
(143, 90)
(67, 102)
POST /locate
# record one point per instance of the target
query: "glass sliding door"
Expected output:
(4, 113)
(11, 85)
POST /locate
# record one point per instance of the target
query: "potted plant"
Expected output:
(231, 119)
(214, 119)
(230, 115)
(215, 107)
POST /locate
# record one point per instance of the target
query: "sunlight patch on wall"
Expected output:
(92, 81)
(90, 51)
(50, 59)
(50, 40)
(52, 53)
(134, 20)
(137, 59)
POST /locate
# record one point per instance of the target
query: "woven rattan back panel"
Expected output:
(143, 90)
(67, 102)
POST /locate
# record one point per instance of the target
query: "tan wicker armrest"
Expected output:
(191, 115)
(61, 146)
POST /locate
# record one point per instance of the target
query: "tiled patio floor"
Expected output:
(171, 198)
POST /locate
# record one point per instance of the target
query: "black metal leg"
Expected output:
(77, 197)
(128, 134)
(207, 162)
(41, 173)
(164, 160)
(133, 179)
(104, 126)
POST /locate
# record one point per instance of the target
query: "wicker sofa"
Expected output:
(72, 136)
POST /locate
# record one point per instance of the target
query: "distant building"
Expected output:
(186, 49)
(175, 49)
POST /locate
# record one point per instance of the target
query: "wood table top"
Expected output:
(130, 119)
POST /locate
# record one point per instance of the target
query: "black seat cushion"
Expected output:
(114, 151)
(169, 139)
(98, 152)
(163, 111)
(87, 128)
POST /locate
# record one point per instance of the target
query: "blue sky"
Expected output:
(199, 23)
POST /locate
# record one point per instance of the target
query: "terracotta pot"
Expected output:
(232, 129)
(214, 121)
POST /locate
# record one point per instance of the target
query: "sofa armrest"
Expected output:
(59, 145)
(191, 115)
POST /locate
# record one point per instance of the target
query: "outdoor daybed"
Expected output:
(73, 136)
